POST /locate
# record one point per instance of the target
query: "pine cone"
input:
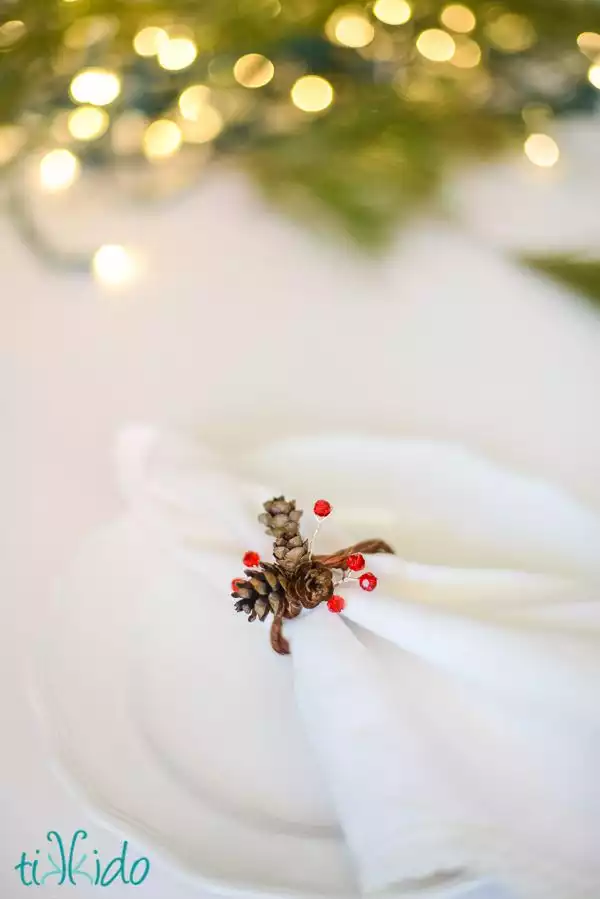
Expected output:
(310, 584)
(282, 521)
(263, 592)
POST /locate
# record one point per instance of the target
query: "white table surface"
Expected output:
(444, 337)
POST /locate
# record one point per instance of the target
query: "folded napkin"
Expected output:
(407, 831)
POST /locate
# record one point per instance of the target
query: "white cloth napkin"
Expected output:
(406, 829)
(465, 746)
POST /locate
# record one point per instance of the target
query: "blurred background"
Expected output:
(270, 217)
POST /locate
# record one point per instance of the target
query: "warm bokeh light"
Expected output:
(436, 45)
(149, 40)
(350, 28)
(467, 54)
(87, 122)
(113, 265)
(193, 100)
(12, 138)
(162, 139)
(205, 127)
(177, 53)
(58, 169)
(392, 12)
(458, 18)
(542, 150)
(253, 70)
(589, 43)
(127, 133)
(90, 30)
(511, 32)
(311, 93)
(594, 75)
(96, 86)
(11, 32)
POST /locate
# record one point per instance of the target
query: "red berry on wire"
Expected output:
(336, 604)
(356, 562)
(322, 508)
(251, 559)
(368, 581)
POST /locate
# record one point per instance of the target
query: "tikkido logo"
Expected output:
(60, 866)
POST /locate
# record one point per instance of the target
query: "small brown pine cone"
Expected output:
(282, 522)
(263, 591)
(311, 584)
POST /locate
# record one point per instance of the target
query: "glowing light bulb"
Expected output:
(205, 127)
(351, 29)
(511, 32)
(58, 170)
(127, 133)
(193, 100)
(87, 122)
(177, 53)
(253, 70)
(589, 43)
(12, 138)
(113, 265)
(311, 93)
(149, 40)
(467, 54)
(436, 45)
(392, 12)
(594, 75)
(542, 150)
(459, 18)
(95, 86)
(11, 32)
(162, 139)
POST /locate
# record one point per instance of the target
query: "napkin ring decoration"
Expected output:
(298, 579)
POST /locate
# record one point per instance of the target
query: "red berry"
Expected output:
(236, 582)
(251, 559)
(355, 562)
(322, 508)
(368, 581)
(336, 604)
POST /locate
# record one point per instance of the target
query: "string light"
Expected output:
(11, 32)
(312, 93)
(113, 265)
(392, 12)
(467, 54)
(436, 45)
(87, 122)
(95, 86)
(459, 18)
(542, 150)
(589, 43)
(253, 70)
(12, 138)
(162, 139)
(594, 75)
(149, 40)
(58, 169)
(205, 128)
(177, 53)
(127, 133)
(89, 31)
(193, 100)
(511, 32)
(350, 28)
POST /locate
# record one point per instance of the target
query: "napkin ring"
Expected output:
(298, 579)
